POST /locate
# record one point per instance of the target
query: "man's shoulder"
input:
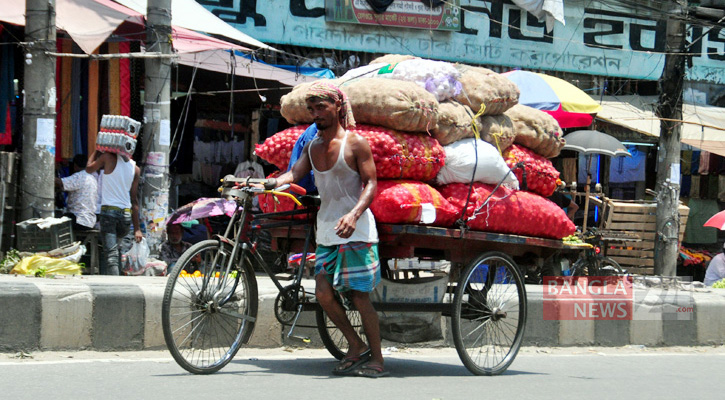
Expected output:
(357, 140)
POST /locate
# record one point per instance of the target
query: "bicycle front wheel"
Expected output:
(489, 314)
(206, 313)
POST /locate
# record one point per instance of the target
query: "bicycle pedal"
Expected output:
(305, 339)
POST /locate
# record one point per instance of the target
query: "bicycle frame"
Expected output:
(238, 235)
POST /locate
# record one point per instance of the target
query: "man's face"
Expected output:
(175, 233)
(324, 112)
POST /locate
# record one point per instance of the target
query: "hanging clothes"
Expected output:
(628, 169)
(685, 185)
(7, 75)
(704, 167)
(249, 169)
(700, 211)
(686, 160)
(695, 162)
(695, 187)
(568, 170)
(712, 186)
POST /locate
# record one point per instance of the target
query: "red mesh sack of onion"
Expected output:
(541, 176)
(405, 201)
(397, 155)
(270, 203)
(509, 211)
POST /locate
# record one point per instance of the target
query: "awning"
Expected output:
(702, 126)
(190, 15)
(88, 22)
(226, 62)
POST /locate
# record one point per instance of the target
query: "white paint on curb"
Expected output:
(66, 316)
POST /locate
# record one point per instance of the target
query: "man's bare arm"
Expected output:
(299, 170)
(95, 162)
(138, 235)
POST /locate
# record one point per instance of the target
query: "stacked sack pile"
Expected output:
(421, 119)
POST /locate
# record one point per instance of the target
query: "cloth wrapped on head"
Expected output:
(328, 91)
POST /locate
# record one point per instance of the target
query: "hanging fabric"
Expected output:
(70, 147)
(93, 90)
(7, 74)
(124, 74)
(64, 109)
(114, 82)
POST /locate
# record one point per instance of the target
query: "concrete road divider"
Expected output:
(124, 313)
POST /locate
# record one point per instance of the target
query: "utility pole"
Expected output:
(38, 159)
(156, 138)
(669, 110)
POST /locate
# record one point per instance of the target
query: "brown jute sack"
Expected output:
(464, 67)
(494, 91)
(293, 106)
(392, 59)
(391, 103)
(454, 122)
(497, 130)
(536, 130)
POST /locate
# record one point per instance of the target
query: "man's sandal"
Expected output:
(348, 364)
(370, 370)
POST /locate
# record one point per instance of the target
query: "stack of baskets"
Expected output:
(117, 134)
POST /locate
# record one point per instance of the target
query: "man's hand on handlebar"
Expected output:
(262, 184)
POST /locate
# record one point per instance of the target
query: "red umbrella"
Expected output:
(717, 221)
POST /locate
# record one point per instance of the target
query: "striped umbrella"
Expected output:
(568, 104)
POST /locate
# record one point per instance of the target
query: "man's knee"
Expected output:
(360, 299)
(323, 290)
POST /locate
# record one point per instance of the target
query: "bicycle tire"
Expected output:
(606, 267)
(204, 335)
(489, 314)
(334, 341)
(609, 267)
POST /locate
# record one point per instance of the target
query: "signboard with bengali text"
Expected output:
(400, 13)
(608, 40)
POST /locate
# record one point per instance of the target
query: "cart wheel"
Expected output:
(332, 338)
(207, 316)
(489, 314)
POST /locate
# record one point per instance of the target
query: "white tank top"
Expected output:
(340, 188)
(117, 185)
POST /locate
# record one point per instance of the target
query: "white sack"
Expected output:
(461, 159)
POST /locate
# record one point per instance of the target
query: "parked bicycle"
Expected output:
(210, 303)
(594, 261)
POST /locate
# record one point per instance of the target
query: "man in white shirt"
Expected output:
(716, 269)
(120, 205)
(82, 194)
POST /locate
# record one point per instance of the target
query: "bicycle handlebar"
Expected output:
(234, 186)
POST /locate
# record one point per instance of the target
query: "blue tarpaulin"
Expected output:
(322, 73)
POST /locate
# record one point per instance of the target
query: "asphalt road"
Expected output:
(541, 373)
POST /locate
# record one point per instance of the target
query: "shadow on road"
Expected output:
(322, 367)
